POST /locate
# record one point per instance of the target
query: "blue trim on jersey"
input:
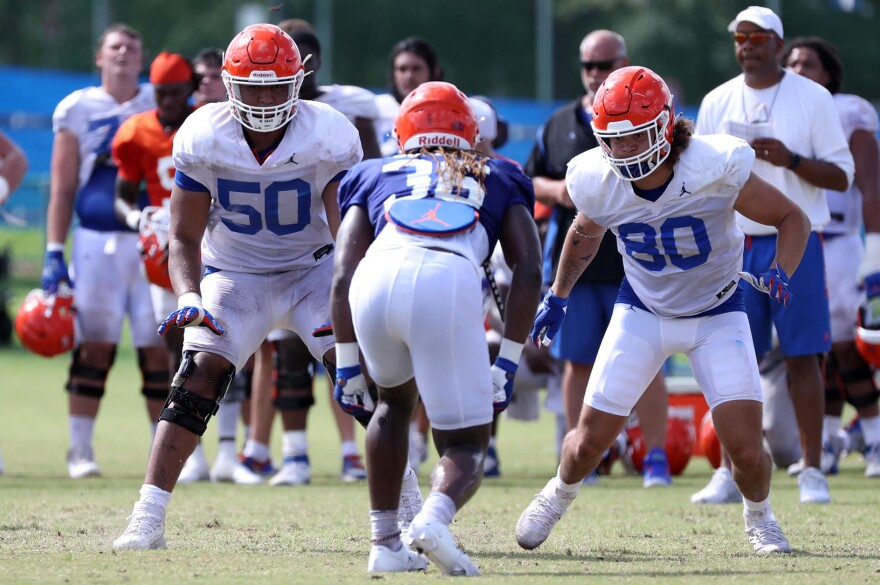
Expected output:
(735, 302)
(654, 194)
(338, 177)
(184, 181)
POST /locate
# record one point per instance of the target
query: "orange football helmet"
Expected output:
(153, 245)
(709, 442)
(260, 55)
(44, 324)
(868, 332)
(680, 439)
(630, 101)
(436, 113)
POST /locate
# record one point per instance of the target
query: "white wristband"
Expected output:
(347, 355)
(871, 262)
(133, 219)
(55, 247)
(4, 189)
(189, 299)
(510, 350)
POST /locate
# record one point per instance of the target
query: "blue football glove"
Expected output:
(191, 317)
(551, 312)
(351, 391)
(872, 285)
(54, 272)
(774, 282)
(503, 372)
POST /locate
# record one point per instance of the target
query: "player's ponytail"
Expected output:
(681, 137)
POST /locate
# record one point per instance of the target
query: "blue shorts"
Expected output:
(589, 312)
(804, 326)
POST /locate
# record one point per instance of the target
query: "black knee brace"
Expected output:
(847, 378)
(187, 409)
(240, 389)
(155, 385)
(94, 379)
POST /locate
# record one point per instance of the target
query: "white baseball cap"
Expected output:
(763, 17)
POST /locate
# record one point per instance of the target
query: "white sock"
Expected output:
(871, 429)
(830, 424)
(153, 500)
(256, 451)
(560, 492)
(294, 443)
(383, 524)
(440, 507)
(227, 419)
(348, 448)
(226, 447)
(81, 428)
(756, 513)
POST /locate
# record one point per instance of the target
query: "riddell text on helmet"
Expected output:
(435, 140)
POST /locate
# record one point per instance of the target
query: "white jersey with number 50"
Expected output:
(681, 253)
(269, 217)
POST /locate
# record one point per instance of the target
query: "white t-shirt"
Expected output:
(846, 207)
(350, 100)
(681, 251)
(795, 111)
(269, 217)
(388, 108)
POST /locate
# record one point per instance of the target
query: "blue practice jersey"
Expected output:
(377, 183)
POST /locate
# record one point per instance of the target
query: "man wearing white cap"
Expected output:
(801, 150)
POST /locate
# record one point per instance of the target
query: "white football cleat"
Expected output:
(721, 489)
(385, 560)
(224, 464)
(195, 468)
(81, 463)
(295, 471)
(144, 532)
(872, 460)
(434, 541)
(537, 521)
(767, 538)
(410, 501)
(813, 487)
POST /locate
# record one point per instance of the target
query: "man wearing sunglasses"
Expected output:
(800, 149)
(565, 135)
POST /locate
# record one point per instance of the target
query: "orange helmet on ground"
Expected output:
(44, 324)
(436, 113)
(153, 245)
(709, 442)
(630, 101)
(680, 439)
(261, 55)
(868, 332)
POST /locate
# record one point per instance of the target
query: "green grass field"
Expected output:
(55, 530)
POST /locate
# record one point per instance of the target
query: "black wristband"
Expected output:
(795, 161)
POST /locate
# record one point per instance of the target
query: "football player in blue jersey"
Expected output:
(416, 230)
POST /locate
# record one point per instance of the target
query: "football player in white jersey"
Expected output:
(105, 264)
(670, 199)
(255, 189)
(848, 260)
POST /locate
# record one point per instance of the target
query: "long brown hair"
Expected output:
(681, 137)
(454, 165)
